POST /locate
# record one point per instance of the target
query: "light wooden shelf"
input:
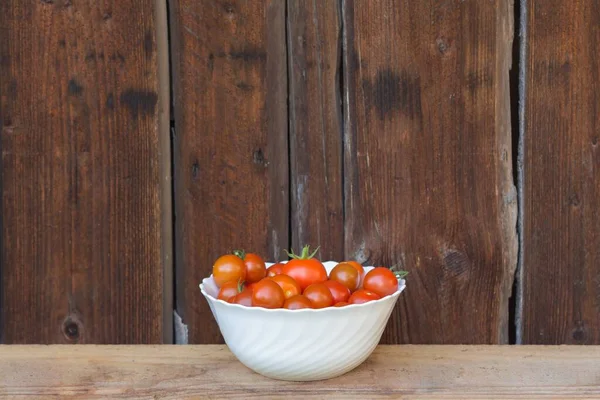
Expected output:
(401, 372)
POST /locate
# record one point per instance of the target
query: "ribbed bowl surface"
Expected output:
(301, 345)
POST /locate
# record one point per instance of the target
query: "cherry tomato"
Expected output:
(297, 302)
(250, 285)
(305, 269)
(255, 266)
(228, 290)
(341, 304)
(362, 296)
(359, 267)
(339, 292)
(381, 281)
(227, 268)
(267, 294)
(289, 286)
(275, 269)
(319, 295)
(347, 275)
(244, 298)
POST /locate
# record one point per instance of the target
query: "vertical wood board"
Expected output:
(231, 146)
(560, 273)
(82, 206)
(314, 52)
(427, 161)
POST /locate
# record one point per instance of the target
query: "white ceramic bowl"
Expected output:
(301, 345)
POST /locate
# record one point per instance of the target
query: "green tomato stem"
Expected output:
(240, 253)
(305, 255)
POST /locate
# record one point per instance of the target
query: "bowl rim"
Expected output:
(396, 294)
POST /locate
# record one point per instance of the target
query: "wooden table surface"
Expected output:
(400, 372)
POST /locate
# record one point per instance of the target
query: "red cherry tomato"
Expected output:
(339, 292)
(297, 302)
(319, 295)
(381, 281)
(275, 269)
(267, 294)
(362, 296)
(255, 266)
(228, 290)
(227, 268)
(244, 298)
(289, 286)
(341, 304)
(305, 269)
(347, 275)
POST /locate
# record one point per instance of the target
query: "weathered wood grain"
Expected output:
(231, 147)
(82, 210)
(399, 372)
(560, 275)
(427, 161)
(314, 49)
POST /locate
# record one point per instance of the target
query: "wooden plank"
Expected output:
(405, 372)
(428, 175)
(314, 49)
(231, 152)
(560, 284)
(81, 198)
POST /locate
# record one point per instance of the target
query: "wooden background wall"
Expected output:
(141, 139)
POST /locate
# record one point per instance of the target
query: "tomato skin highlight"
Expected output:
(228, 290)
(362, 296)
(243, 298)
(289, 286)
(267, 294)
(305, 271)
(297, 302)
(275, 269)
(339, 292)
(380, 280)
(227, 268)
(319, 295)
(347, 275)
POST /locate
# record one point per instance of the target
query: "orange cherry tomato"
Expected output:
(229, 290)
(359, 267)
(362, 296)
(297, 302)
(267, 294)
(305, 269)
(347, 275)
(289, 286)
(341, 304)
(275, 269)
(319, 295)
(227, 268)
(244, 298)
(380, 280)
(339, 292)
(255, 266)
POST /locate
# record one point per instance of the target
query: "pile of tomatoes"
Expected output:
(302, 282)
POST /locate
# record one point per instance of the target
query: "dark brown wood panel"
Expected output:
(314, 49)
(428, 175)
(82, 251)
(231, 149)
(560, 276)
